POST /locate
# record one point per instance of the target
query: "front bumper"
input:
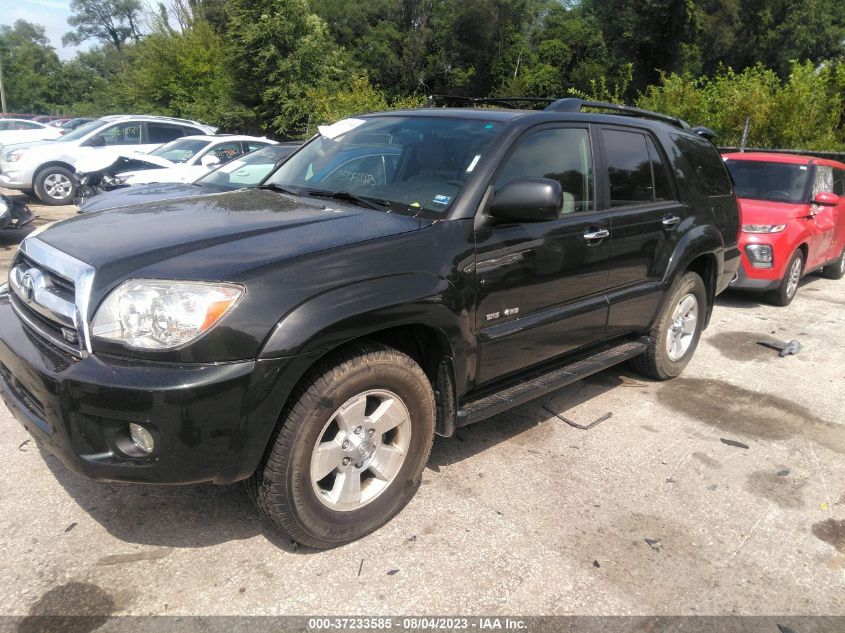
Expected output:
(210, 422)
(743, 282)
(14, 178)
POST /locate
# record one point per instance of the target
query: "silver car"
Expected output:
(46, 167)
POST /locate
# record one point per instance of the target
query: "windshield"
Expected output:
(81, 131)
(180, 151)
(409, 164)
(248, 170)
(775, 182)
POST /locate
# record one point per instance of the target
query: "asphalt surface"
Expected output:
(720, 492)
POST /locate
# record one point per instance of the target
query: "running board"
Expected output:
(541, 384)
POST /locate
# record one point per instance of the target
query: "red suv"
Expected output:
(793, 220)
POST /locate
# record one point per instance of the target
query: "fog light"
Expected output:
(141, 437)
(760, 255)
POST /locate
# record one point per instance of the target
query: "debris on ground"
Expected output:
(790, 348)
(725, 440)
(783, 473)
(392, 572)
(22, 444)
(70, 527)
(653, 544)
(360, 567)
(583, 427)
(596, 564)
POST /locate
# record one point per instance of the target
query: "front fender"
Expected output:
(333, 318)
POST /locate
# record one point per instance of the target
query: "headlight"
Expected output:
(115, 181)
(15, 155)
(763, 228)
(4, 207)
(156, 314)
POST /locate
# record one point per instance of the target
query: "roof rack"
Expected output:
(567, 104)
(506, 102)
(574, 104)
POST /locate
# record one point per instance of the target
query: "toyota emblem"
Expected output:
(27, 287)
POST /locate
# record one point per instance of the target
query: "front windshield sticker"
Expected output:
(341, 127)
(473, 163)
(442, 199)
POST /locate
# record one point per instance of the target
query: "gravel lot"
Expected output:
(721, 492)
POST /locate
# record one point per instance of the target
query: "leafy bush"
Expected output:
(804, 112)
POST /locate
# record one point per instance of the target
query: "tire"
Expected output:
(835, 270)
(321, 511)
(667, 354)
(55, 185)
(788, 288)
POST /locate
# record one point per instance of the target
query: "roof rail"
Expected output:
(574, 104)
(506, 102)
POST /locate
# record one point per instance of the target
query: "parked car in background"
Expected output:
(244, 172)
(22, 131)
(793, 220)
(72, 124)
(312, 335)
(182, 160)
(47, 167)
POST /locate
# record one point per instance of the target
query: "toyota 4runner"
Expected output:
(402, 274)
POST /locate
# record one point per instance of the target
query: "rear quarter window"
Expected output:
(711, 173)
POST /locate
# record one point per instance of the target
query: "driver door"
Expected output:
(541, 286)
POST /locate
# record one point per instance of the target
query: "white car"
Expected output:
(46, 167)
(186, 159)
(23, 131)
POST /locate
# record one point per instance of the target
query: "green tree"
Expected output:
(277, 51)
(32, 71)
(108, 21)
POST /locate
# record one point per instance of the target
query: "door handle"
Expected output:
(596, 234)
(670, 221)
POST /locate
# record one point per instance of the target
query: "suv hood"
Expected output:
(768, 212)
(214, 237)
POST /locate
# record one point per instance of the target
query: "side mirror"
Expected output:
(97, 141)
(528, 200)
(825, 199)
(209, 160)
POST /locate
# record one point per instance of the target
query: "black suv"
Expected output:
(403, 274)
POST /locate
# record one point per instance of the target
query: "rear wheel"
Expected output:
(55, 185)
(836, 270)
(786, 291)
(351, 448)
(675, 336)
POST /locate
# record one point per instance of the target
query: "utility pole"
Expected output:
(2, 88)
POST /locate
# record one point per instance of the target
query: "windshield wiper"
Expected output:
(361, 201)
(271, 186)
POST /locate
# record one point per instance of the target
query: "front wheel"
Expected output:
(786, 291)
(836, 270)
(675, 335)
(55, 186)
(351, 447)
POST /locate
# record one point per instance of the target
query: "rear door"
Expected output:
(646, 223)
(541, 286)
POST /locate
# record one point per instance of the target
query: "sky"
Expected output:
(51, 14)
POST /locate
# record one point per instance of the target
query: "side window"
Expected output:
(6, 125)
(122, 134)
(226, 151)
(839, 182)
(628, 168)
(561, 154)
(709, 167)
(26, 125)
(662, 188)
(163, 133)
(251, 146)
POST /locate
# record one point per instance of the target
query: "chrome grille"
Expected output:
(50, 292)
